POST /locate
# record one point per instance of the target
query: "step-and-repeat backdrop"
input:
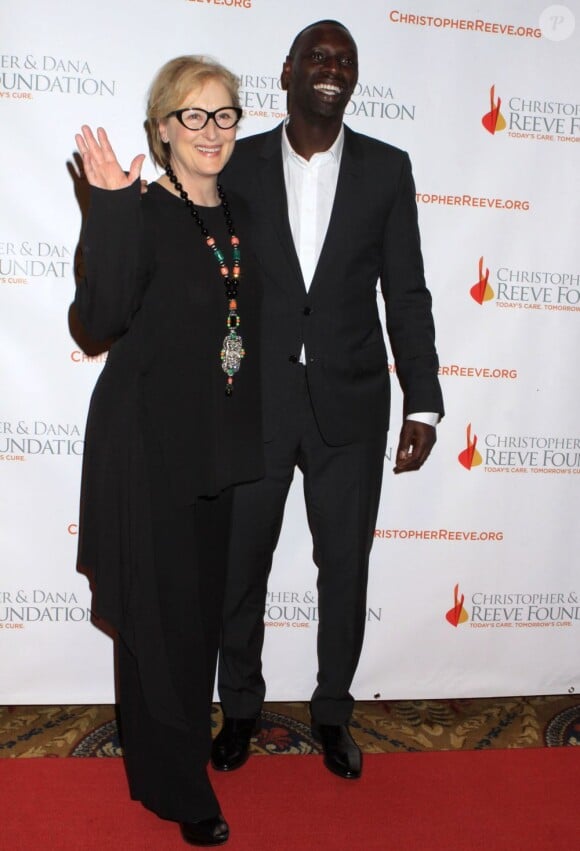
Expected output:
(475, 581)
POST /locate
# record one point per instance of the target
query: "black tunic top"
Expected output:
(153, 284)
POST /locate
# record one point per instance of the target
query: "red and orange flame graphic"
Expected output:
(493, 121)
(481, 291)
(470, 457)
(457, 614)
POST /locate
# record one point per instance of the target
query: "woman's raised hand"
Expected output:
(100, 164)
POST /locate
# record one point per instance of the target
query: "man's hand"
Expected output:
(415, 444)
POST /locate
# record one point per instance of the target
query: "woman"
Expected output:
(174, 422)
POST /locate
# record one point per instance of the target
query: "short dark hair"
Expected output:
(294, 44)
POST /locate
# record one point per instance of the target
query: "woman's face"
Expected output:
(200, 154)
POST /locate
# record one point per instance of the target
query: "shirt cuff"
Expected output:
(426, 417)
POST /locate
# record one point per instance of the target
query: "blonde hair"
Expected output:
(171, 85)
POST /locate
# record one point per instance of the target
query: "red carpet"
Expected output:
(458, 801)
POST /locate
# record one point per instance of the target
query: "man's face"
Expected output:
(321, 76)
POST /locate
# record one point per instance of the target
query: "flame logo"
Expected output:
(457, 614)
(493, 121)
(470, 457)
(481, 291)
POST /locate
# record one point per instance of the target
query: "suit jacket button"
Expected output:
(307, 311)
(293, 359)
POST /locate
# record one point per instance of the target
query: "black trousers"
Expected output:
(166, 766)
(341, 489)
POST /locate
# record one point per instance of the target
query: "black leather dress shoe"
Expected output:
(231, 746)
(209, 831)
(342, 755)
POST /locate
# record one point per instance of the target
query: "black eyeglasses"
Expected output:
(195, 118)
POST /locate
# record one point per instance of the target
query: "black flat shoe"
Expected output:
(231, 746)
(342, 755)
(209, 831)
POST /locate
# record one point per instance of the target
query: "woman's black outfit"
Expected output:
(164, 445)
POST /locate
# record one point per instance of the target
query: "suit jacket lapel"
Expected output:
(344, 200)
(276, 205)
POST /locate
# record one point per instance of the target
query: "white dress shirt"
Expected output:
(310, 190)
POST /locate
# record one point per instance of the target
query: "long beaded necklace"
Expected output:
(232, 350)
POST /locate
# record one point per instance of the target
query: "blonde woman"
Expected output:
(174, 423)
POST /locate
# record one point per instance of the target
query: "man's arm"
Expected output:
(410, 326)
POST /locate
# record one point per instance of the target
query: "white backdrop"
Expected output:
(475, 583)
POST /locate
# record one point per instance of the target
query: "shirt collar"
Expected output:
(335, 149)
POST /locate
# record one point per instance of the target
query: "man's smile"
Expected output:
(330, 89)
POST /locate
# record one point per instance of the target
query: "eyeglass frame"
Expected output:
(178, 113)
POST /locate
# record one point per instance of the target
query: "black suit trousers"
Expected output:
(342, 487)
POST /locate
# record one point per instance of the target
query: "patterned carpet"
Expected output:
(378, 726)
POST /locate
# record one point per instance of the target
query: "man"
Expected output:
(334, 211)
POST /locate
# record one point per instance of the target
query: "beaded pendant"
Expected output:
(232, 351)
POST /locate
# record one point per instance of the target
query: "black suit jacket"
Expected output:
(372, 236)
